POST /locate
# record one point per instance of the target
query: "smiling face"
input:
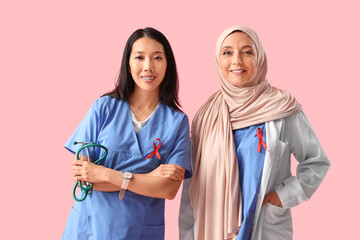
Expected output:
(238, 59)
(147, 64)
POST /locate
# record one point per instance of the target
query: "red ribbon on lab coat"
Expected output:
(156, 148)
(260, 135)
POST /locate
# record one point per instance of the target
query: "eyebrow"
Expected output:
(246, 46)
(152, 52)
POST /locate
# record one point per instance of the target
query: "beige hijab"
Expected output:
(214, 190)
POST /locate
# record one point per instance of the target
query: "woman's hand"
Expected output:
(87, 171)
(272, 198)
(171, 171)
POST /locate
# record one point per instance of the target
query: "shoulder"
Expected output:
(288, 127)
(173, 117)
(290, 119)
(296, 118)
(109, 103)
(106, 100)
(173, 113)
(282, 125)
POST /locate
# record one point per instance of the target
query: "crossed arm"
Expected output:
(162, 182)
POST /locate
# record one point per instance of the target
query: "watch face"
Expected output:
(127, 175)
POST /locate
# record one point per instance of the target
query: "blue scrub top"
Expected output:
(250, 163)
(102, 215)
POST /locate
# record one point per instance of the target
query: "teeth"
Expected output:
(148, 78)
(238, 71)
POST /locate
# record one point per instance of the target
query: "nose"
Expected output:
(148, 65)
(236, 59)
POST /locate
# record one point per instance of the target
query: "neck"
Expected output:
(144, 100)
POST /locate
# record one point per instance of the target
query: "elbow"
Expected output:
(170, 189)
(171, 192)
(170, 195)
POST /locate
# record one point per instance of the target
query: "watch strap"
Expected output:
(125, 183)
(122, 194)
(124, 186)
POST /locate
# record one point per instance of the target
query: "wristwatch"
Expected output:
(126, 179)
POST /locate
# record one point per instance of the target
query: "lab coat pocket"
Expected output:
(77, 226)
(277, 223)
(153, 232)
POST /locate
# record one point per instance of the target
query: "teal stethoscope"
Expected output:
(86, 187)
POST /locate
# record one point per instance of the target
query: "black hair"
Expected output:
(169, 87)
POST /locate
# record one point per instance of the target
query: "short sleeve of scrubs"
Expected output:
(89, 128)
(180, 153)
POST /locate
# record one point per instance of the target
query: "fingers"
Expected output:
(276, 200)
(178, 168)
(76, 171)
(77, 163)
(83, 158)
(178, 174)
(174, 172)
(174, 167)
(266, 199)
(173, 175)
(273, 199)
(77, 178)
(80, 175)
(171, 171)
(79, 170)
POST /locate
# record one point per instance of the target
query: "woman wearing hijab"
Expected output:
(243, 137)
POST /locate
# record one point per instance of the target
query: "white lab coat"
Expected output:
(286, 136)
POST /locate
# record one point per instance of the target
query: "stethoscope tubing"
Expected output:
(86, 188)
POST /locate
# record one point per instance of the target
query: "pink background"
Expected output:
(57, 57)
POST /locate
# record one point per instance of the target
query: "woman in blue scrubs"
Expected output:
(148, 140)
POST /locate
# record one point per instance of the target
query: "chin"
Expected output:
(239, 83)
(149, 88)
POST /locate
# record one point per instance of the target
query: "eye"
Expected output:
(248, 52)
(139, 57)
(157, 58)
(226, 53)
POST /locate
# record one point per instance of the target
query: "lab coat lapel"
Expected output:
(273, 129)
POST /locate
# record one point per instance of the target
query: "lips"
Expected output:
(148, 78)
(237, 71)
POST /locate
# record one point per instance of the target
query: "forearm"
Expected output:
(106, 187)
(143, 184)
(156, 184)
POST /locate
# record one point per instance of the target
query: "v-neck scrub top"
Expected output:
(251, 164)
(108, 122)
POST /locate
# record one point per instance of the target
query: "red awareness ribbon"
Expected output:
(260, 135)
(156, 148)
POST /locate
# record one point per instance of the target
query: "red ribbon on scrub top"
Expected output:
(156, 148)
(260, 135)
